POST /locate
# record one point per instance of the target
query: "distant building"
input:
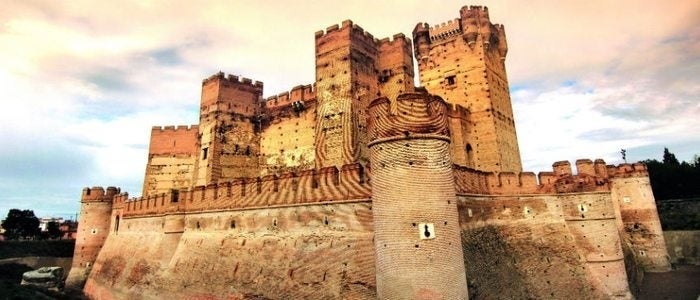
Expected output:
(69, 229)
(44, 222)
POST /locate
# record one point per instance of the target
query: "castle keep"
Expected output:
(363, 186)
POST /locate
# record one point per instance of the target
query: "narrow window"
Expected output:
(450, 80)
(205, 151)
(116, 224)
(470, 154)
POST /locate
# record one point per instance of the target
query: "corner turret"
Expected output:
(421, 41)
(631, 191)
(93, 228)
(416, 226)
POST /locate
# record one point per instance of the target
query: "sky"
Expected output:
(82, 82)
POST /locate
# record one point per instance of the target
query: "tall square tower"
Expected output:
(463, 61)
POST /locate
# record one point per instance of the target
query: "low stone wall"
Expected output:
(683, 246)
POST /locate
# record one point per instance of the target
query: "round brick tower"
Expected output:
(93, 229)
(416, 226)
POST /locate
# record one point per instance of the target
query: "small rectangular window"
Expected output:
(205, 151)
(450, 80)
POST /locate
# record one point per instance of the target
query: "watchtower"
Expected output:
(352, 68)
(414, 207)
(94, 227)
(463, 61)
(228, 146)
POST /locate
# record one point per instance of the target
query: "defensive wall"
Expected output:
(531, 220)
(555, 234)
(288, 123)
(270, 237)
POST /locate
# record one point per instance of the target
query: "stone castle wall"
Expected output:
(541, 246)
(288, 252)
(543, 235)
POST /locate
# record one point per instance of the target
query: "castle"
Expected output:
(364, 186)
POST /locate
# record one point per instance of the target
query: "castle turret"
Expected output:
(631, 191)
(463, 61)
(421, 41)
(93, 228)
(414, 205)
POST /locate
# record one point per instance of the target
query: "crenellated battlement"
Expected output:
(173, 140)
(590, 177)
(99, 194)
(355, 30)
(474, 10)
(173, 128)
(398, 38)
(299, 93)
(445, 30)
(120, 198)
(627, 170)
(233, 79)
(359, 34)
(412, 113)
(350, 183)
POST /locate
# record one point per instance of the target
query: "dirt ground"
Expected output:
(681, 283)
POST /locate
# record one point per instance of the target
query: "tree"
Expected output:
(670, 158)
(20, 224)
(53, 229)
(671, 179)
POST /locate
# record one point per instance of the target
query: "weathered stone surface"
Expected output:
(297, 252)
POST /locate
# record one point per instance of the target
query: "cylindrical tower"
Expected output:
(631, 189)
(93, 229)
(416, 226)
